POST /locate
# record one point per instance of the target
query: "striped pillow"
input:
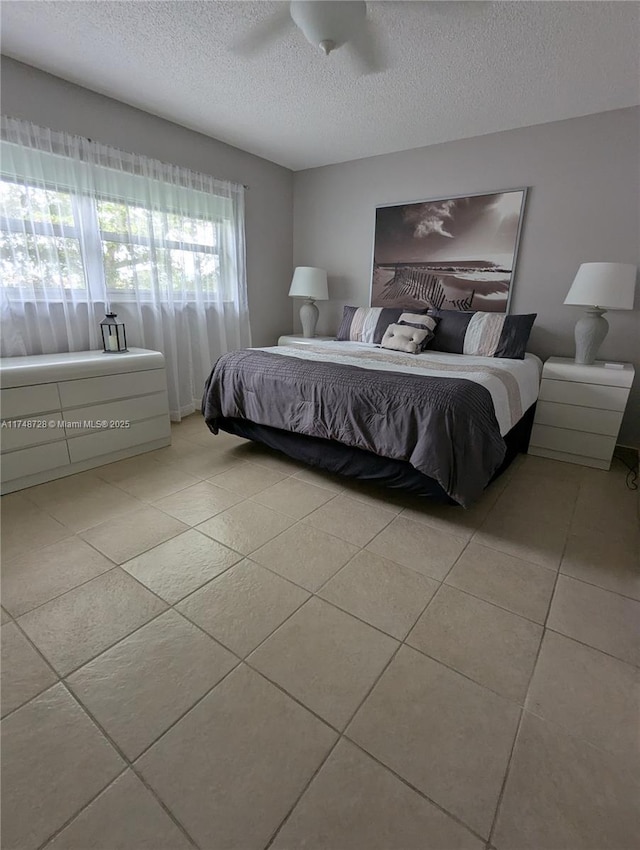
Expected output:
(366, 324)
(482, 334)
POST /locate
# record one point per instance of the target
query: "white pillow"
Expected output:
(404, 338)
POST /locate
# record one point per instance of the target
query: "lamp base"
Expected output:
(309, 318)
(590, 333)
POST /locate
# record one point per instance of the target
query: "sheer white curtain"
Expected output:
(86, 228)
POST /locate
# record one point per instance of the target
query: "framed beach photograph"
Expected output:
(455, 253)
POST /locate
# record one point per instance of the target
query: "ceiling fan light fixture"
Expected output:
(327, 46)
(328, 25)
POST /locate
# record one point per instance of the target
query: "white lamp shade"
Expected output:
(309, 283)
(610, 286)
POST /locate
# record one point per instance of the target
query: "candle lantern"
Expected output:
(114, 339)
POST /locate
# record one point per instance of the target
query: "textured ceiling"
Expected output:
(464, 71)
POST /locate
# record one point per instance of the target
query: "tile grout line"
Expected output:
(66, 675)
(58, 830)
(496, 814)
(488, 545)
(593, 648)
(510, 700)
(169, 607)
(495, 604)
(48, 664)
(599, 586)
(414, 788)
(341, 734)
(177, 720)
(600, 748)
(305, 787)
(305, 707)
(290, 696)
(37, 607)
(251, 651)
(128, 766)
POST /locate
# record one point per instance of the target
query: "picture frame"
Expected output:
(453, 253)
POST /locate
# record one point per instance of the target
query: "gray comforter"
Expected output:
(444, 427)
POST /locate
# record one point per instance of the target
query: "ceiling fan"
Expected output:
(331, 24)
(327, 25)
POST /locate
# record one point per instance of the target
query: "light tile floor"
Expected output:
(211, 646)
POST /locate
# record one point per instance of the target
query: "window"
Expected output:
(146, 249)
(39, 243)
(85, 228)
(55, 239)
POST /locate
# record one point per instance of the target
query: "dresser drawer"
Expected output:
(113, 440)
(581, 460)
(573, 442)
(19, 402)
(128, 410)
(21, 437)
(95, 390)
(584, 395)
(589, 419)
(32, 460)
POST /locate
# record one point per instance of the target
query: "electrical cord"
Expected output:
(632, 475)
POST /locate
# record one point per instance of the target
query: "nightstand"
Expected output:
(579, 411)
(287, 339)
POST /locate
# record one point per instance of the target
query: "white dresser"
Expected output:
(64, 413)
(579, 411)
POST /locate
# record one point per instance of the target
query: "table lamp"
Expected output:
(311, 284)
(599, 287)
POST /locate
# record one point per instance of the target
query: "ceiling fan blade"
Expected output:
(368, 49)
(263, 34)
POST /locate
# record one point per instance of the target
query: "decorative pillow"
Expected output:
(482, 334)
(366, 324)
(423, 322)
(405, 338)
(418, 320)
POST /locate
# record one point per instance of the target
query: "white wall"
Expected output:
(583, 206)
(52, 102)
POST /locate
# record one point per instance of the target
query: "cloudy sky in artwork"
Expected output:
(478, 228)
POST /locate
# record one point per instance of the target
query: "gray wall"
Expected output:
(52, 102)
(583, 206)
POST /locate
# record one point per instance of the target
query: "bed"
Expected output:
(437, 424)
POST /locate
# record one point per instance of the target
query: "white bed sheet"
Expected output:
(482, 370)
